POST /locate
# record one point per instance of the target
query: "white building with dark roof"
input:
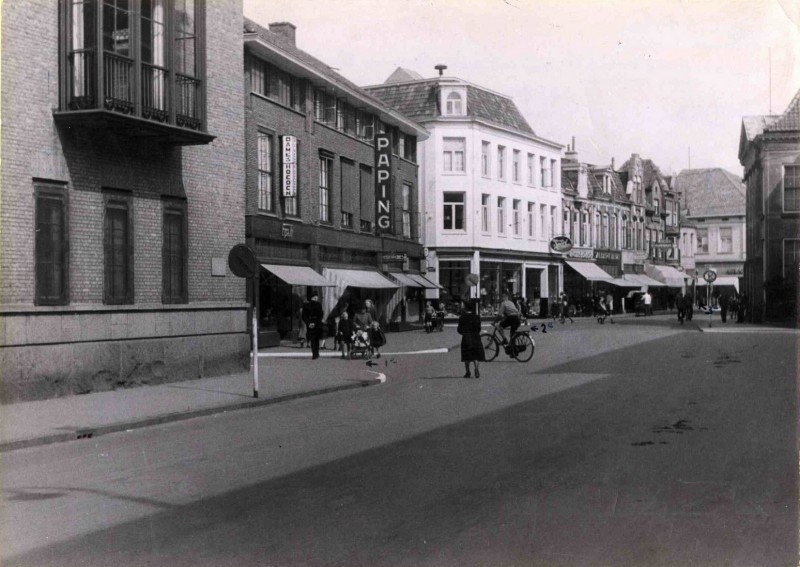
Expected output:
(490, 196)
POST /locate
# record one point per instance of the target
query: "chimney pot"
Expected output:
(612, 163)
(285, 30)
(573, 143)
(440, 68)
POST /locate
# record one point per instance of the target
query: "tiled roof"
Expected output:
(755, 125)
(789, 120)
(417, 99)
(711, 192)
(401, 75)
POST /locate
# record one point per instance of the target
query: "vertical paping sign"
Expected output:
(383, 182)
(289, 151)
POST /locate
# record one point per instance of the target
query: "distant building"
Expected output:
(769, 151)
(490, 190)
(714, 207)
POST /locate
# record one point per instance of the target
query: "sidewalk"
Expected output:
(281, 378)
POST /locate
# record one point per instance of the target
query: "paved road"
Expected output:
(640, 443)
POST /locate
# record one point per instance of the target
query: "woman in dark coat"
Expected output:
(469, 327)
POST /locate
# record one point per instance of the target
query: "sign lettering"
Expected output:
(561, 244)
(383, 182)
(289, 173)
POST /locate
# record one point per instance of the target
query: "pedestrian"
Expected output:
(429, 311)
(681, 302)
(302, 333)
(610, 306)
(469, 327)
(363, 320)
(742, 308)
(723, 307)
(344, 333)
(601, 310)
(377, 338)
(312, 315)
(648, 303)
(371, 309)
(689, 306)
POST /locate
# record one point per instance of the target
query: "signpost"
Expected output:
(243, 263)
(710, 276)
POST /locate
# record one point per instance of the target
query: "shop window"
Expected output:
(454, 204)
(51, 245)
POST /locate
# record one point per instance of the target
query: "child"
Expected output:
(344, 333)
(428, 316)
(377, 338)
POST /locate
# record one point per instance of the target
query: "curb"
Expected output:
(90, 432)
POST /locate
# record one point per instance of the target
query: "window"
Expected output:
(613, 232)
(515, 220)
(485, 212)
(118, 244)
(485, 159)
(348, 191)
(409, 151)
(454, 105)
(501, 162)
(542, 221)
(454, 211)
(596, 238)
(406, 209)
(51, 245)
(702, 241)
(501, 215)
(542, 172)
(275, 84)
(266, 198)
(454, 154)
(791, 257)
(553, 173)
(366, 190)
(174, 255)
(604, 231)
(325, 167)
(553, 221)
(565, 222)
(515, 167)
(531, 220)
(575, 229)
(584, 228)
(531, 169)
(726, 240)
(791, 188)
(628, 234)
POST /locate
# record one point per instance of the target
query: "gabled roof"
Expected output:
(789, 120)
(711, 192)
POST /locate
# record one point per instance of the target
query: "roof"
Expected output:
(711, 192)
(401, 75)
(417, 99)
(789, 120)
(755, 125)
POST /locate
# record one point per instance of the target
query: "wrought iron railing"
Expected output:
(81, 80)
(155, 92)
(118, 83)
(187, 102)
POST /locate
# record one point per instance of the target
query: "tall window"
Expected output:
(565, 222)
(406, 209)
(604, 231)
(51, 245)
(531, 169)
(118, 244)
(266, 199)
(702, 241)
(454, 211)
(531, 220)
(613, 232)
(174, 255)
(366, 189)
(596, 237)
(584, 228)
(553, 221)
(516, 216)
(501, 162)
(454, 105)
(791, 188)
(553, 173)
(791, 256)
(454, 154)
(501, 215)
(628, 234)
(325, 168)
(516, 166)
(349, 197)
(542, 221)
(542, 172)
(485, 158)
(575, 229)
(485, 212)
(726, 240)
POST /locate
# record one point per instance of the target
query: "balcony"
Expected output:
(137, 101)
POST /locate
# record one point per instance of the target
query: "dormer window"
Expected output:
(455, 105)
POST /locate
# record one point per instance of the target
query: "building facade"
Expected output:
(121, 192)
(770, 154)
(490, 197)
(313, 217)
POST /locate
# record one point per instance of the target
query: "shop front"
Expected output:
(353, 287)
(584, 279)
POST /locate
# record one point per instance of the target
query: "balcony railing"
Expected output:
(118, 83)
(187, 112)
(155, 94)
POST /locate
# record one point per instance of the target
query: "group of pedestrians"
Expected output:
(343, 328)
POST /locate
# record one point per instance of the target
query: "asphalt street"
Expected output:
(639, 443)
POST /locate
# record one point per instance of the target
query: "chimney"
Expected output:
(571, 154)
(285, 30)
(612, 163)
(573, 143)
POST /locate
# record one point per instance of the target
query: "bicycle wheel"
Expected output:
(523, 347)
(490, 346)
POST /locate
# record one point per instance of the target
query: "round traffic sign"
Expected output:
(710, 276)
(242, 261)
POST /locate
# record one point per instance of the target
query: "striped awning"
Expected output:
(590, 271)
(361, 278)
(425, 282)
(405, 280)
(297, 275)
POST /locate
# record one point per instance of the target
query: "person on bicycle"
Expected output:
(507, 316)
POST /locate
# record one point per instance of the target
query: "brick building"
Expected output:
(121, 194)
(312, 216)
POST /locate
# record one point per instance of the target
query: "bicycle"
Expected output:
(520, 348)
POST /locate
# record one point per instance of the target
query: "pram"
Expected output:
(360, 345)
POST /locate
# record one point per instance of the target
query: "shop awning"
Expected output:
(590, 271)
(362, 278)
(425, 282)
(625, 282)
(666, 275)
(297, 275)
(405, 279)
(643, 280)
(722, 280)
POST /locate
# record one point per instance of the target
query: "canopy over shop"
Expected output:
(414, 297)
(353, 287)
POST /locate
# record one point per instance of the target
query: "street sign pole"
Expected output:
(243, 263)
(255, 279)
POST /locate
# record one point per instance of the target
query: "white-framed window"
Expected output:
(501, 162)
(702, 241)
(454, 149)
(266, 196)
(454, 106)
(453, 218)
(791, 188)
(725, 240)
(565, 222)
(542, 172)
(542, 221)
(612, 232)
(604, 231)
(515, 219)
(516, 167)
(791, 256)
(501, 215)
(406, 210)
(596, 239)
(575, 228)
(485, 212)
(553, 221)
(585, 228)
(553, 172)
(531, 220)
(325, 166)
(485, 167)
(531, 169)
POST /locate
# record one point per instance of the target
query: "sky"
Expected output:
(667, 79)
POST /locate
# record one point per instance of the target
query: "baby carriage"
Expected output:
(361, 345)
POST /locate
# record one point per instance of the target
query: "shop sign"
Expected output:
(431, 268)
(582, 253)
(608, 255)
(383, 182)
(289, 178)
(662, 245)
(561, 244)
(394, 257)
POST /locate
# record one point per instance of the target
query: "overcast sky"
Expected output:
(622, 76)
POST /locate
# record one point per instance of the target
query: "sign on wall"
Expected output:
(289, 152)
(561, 244)
(383, 182)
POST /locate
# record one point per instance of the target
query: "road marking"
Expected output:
(751, 330)
(443, 350)
(381, 376)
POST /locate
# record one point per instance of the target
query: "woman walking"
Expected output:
(469, 327)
